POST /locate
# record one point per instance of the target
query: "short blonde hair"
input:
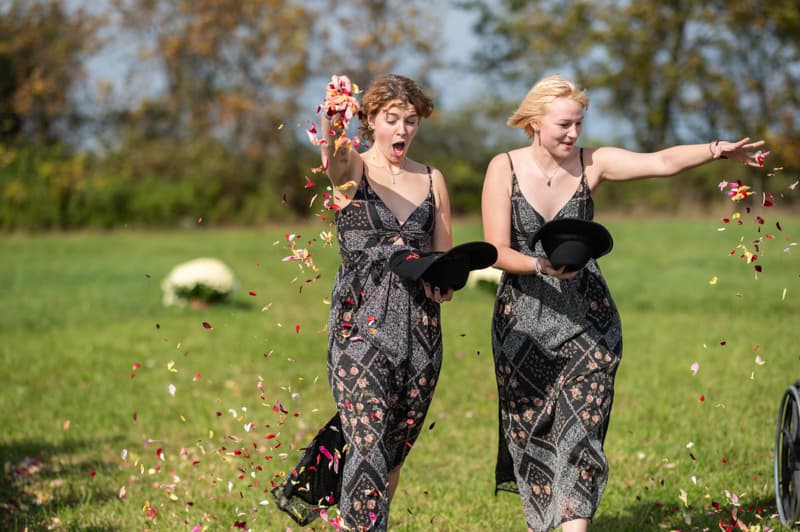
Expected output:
(534, 105)
(388, 89)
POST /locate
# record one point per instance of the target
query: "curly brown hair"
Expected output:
(387, 89)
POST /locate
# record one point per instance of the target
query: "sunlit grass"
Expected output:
(81, 309)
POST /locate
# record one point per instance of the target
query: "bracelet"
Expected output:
(538, 266)
(715, 142)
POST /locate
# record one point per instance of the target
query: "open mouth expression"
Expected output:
(395, 127)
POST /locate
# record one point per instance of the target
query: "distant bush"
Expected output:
(147, 184)
(153, 183)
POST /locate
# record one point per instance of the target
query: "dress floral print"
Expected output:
(384, 357)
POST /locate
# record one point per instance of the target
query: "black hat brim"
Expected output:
(444, 270)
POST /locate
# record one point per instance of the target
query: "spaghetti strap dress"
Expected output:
(557, 345)
(384, 358)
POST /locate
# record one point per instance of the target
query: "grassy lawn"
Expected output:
(122, 414)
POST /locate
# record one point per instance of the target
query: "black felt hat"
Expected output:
(571, 242)
(444, 269)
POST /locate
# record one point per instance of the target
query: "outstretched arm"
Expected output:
(617, 164)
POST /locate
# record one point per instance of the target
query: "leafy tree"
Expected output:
(232, 70)
(460, 143)
(42, 51)
(367, 38)
(673, 71)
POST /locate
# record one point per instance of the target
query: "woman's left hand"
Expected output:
(546, 268)
(434, 294)
(743, 151)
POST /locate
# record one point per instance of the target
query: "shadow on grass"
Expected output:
(38, 482)
(648, 515)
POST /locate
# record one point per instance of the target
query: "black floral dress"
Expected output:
(384, 358)
(557, 345)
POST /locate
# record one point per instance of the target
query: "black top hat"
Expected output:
(571, 242)
(444, 269)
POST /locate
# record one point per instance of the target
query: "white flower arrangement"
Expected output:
(489, 275)
(202, 281)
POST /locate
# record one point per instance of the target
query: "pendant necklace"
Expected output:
(548, 178)
(394, 175)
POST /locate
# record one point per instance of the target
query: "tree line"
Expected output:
(201, 115)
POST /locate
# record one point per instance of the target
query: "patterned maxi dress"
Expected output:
(557, 345)
(384, 357)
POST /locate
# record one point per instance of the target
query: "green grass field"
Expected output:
(90, 443)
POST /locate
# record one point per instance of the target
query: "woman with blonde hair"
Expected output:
(556, 332)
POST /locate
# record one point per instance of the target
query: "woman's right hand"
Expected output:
(340, 105)
(339, 160)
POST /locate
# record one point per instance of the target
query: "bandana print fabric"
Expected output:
(557, 345)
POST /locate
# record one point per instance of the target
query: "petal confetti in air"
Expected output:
(695, 368)
(207, 325)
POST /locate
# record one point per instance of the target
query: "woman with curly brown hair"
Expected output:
(384, 333)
